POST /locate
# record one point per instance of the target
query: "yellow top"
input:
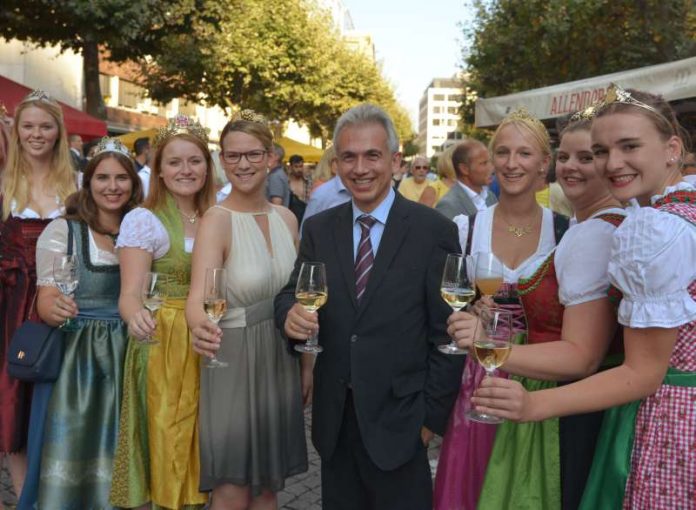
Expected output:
(409, 189)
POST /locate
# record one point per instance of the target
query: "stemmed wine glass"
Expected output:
(215, 304)
(311, 292)
(65, 274)
(457, 290)
(153, 295)
(492, 349)
(489, 274)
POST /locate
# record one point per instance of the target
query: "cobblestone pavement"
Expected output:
(302, 492)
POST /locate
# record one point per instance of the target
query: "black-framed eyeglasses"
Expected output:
(251, 156)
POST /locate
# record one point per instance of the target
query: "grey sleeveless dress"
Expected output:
(250, 413)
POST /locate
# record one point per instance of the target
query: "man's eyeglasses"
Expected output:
(421, 168)
(233, 158)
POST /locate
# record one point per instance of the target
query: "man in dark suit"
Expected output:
(381, 388)
(470, 193)
(78, 160)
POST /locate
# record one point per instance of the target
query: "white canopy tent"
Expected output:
(673, 80)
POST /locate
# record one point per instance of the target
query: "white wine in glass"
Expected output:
(65, 274)
(153, 296)
(457, 290)
(492, 350)
(489, 274)
(311, 292)
(215, 304)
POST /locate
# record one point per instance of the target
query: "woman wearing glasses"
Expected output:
(413, 187)
(252, 428)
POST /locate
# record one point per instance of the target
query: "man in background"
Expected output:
(277, 186)
(78, 159)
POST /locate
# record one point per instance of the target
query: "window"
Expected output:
(452, 109)
(456, 98)
(439, 97)
(436, 122)
(437, 109)
(451, 122)
(129, 94)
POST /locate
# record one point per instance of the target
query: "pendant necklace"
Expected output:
(190, 218)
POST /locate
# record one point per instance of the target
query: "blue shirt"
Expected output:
(328, 195)
(380, 213)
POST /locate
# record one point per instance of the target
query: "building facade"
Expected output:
(438, 115)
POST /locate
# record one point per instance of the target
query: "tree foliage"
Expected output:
(281, 58)
(523, 45)
(127, 29)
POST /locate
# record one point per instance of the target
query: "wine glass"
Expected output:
(489, 274)
(492, 349)
(457, 290)
(154, 293)
(215, 304)
(311, 292)
(65, 274)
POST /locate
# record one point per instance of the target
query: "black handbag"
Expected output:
(35, 352)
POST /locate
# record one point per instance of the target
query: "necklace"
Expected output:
(191, 219)
(113, 237)
(517, 230)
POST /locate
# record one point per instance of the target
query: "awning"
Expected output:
(673, 80)
(76, 121)
(129, 139)
(309, 154)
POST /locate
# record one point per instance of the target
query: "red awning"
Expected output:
(76, 121)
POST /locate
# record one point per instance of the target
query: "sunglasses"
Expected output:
(421, 167)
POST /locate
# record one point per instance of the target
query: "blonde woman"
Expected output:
(36, 181)
(446, 178)
(326, 168)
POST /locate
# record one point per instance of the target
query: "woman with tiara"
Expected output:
(252, 427)
(157, 461)
(519, 234)
(74, 420)
(37, 178)
(644, 456)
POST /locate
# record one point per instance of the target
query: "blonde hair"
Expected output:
(527, 124)
(323, 170)
(157, 195)
(15, 178)
(445, 168)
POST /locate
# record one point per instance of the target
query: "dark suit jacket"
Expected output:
(456, 202)
(79, 163)
(384, 347)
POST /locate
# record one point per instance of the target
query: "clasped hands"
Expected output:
(497, 396)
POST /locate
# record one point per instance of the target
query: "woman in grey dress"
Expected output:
(251, 421)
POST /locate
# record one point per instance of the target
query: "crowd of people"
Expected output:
(177, 409)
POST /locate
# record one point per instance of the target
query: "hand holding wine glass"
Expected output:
(153, 296)
(457, 290)
(311, 293)
(215, 304)
(492, 349)
(65, 275)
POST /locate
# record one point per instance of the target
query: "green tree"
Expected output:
(517, 45)
(282, 59)
(126, 29)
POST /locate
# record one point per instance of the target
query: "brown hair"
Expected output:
(158, 192)
(462, 153)
(80, 206)
(256, 129)
(664, 119)
(15, 180)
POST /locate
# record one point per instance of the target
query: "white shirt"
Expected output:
(479, 199)
(144, 174)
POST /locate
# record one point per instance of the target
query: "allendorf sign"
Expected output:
(674, 80)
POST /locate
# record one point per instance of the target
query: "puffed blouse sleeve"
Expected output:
(52, 242)
(462, 222)
(582, 260)
(140, 228)
(652, 263)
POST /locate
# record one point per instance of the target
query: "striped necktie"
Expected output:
(365, 258)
